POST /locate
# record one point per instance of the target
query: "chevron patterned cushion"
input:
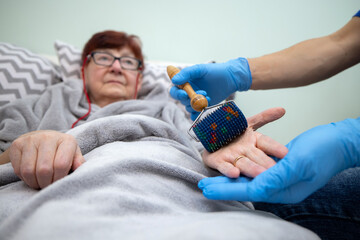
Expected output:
(69, 60)
(23, 73)
(155, 73)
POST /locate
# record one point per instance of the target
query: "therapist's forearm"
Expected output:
(4, 157)
(309, 61)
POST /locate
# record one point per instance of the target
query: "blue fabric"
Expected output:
(357, 14)
(332, 212)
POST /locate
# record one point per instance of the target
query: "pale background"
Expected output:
(197, 31)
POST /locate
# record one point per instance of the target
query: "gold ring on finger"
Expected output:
(237, 159)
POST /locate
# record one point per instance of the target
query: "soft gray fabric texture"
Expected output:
(139, 180)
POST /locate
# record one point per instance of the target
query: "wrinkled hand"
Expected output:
(252, 145)
(42, 157)
(217, 81)
(314, 158)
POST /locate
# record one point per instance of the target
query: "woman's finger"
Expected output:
(248, 167)
(15, 157)
(28, 165)
(45, 163)
(78, 159)
(223, 162)
(64, 157)
(270, 146)
(259, 157)
(265, 117)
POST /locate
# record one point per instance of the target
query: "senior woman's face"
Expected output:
(108, 84)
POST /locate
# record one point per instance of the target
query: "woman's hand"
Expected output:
(314, 157)
(40, 158)
(248, 154)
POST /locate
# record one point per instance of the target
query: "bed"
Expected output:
(140, 177)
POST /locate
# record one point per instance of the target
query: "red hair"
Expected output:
(114, 39)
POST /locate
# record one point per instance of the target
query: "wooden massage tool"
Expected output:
(216, 125)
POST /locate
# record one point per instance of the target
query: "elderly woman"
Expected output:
(112, 66)
(111, 72)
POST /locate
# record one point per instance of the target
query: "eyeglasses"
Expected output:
(106, 59)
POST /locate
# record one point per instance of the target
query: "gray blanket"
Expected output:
(139, 180)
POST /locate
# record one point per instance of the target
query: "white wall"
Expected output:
(195, 31)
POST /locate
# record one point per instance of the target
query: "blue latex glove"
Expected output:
(185, 100)
(314, 157)
(218, 80)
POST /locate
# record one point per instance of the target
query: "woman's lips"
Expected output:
(115, 82)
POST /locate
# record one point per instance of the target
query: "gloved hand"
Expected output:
(185, 100)
(218, 80)
(314, 157)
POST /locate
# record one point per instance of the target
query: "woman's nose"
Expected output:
(116, 66)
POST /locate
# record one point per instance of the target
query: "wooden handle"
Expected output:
(198, 102)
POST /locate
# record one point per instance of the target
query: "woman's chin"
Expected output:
(118, 96)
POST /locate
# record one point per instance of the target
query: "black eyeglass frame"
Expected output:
(114, 59)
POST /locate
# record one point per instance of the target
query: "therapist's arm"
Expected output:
(310, 61)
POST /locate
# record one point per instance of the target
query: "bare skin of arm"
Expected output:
(309, 61)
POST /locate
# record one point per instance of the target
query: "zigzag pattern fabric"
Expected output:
(154, 73)
(69, 60)
(23, 73)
